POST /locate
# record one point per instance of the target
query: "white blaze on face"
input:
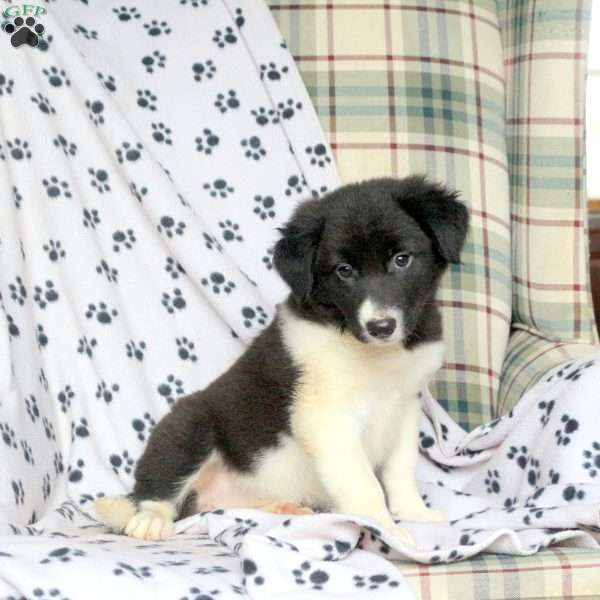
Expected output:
(371, 311)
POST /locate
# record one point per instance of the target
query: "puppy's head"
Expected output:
(368, 257)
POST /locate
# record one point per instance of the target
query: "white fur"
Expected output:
(371, 311)
(115, 511)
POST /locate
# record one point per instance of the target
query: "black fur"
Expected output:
(243, 412)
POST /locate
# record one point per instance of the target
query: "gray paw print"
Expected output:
(99, 180)
(207, 141)
(90, 218)
(253, 148)
(27, 452)
(107, 81)
(205, 70)
(56, 77)
(102, 313)
(146, 99)
(64, 398)
(126, 14)
(224, 37)
(17, 197)
(18, 149)
(219, 187)
(8, 435)
(174, 268)
(211, 242)
(265, 207)
(316, 578)
(32, 408)
(230, 231)
(161, 134)
(68, 148)
(218, 283)
(123, 239)
(288, 108)
(138, 194)
(55, 188)
(122, 461)
(143, 427)
(264, 116)
(229, 101)
(42, 338)
(154, 60)
(43, 104)
(74, 472)
(295, 184)
(254, 315)
(174, 301)
(111, 274)
(6, 85)
(318, 155)
(90, 34)
(171, 389)
(85, 346)
(136, 349)
(106, 391)
(95, 111)
(156, 28)
(185, 349)
(45, 295)
(129, 152)
(17, 291)
(272, 72)
(267, 259)
(168, 226)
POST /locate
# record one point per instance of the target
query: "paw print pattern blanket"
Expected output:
(147, 154)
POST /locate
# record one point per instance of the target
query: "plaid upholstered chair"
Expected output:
(486, 96)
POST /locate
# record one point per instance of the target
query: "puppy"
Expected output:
(323, 408)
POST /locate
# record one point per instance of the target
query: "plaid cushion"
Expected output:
(421, 87)
(552, 574)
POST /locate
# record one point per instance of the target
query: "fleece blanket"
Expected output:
(147, 154)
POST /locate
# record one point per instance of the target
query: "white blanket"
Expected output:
(146, 156)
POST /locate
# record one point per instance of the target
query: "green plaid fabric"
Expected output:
(456, 90)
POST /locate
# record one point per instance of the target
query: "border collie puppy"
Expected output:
(323, 408)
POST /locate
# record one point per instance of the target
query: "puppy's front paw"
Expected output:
(401, 534)
(149, 525)
(420, 513)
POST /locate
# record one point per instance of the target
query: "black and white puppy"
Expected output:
(323, 408)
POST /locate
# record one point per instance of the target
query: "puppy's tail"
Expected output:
(116, 511)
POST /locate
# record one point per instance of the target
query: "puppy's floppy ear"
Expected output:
(295, 252)
(438, 212)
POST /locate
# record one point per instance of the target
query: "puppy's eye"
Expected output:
(344, 271)
(401, 261)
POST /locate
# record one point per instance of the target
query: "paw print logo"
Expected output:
(126, 14)
(143, 427)
(8, 435)
(546, 408)
(122, 462)
(204, 70)
(102, 313)
(170, 389)
(252, 316)
(218, 283)
(592, 462)
(18, 149)
(95, 111)
(129, 152)
(6, 85)
(174, 301)
(223, 37)
(43, 104)
(56, 77)
(123, 239)
(185, 349)
(85, 346)
(219, 187)
(288, 108)
(24, 31)
(68, 148)
(519, 455)
(54, 250)
(32, 408)
(533, 474)
(226, 102)
(169, 227)
(318, 155)
(106, 392)
(87, 34)
(265, 207)
(156, 28)
(173, 268)
(264, 116)
(44, 295)
(563, 436)
(111, 274)
(316, 578)
(17, 291)
(90, 218)
(492, 482)
(27, 453)
(99, 180)
(230, 231)
(107, 81)
(146, 99)
(295, 184)
(74, 472)
(135, 349)
(64, 398)
(272, 72)
(161, 134)
(374, 582)
(55, 188)
(207, 142)
(571, 493)
(42, 338)
(156, 60)
(253, 147)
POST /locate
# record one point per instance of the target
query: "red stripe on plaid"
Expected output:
(549, 222)
(566, 572)
(543, 56)
(563, 287)
(428, 147)
(425, 585)
(405, 57)
(472, 306)
(433, 9)
(391, 86)
(544, 121)
(464, 368)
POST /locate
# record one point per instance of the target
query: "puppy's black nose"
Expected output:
(381, 328)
